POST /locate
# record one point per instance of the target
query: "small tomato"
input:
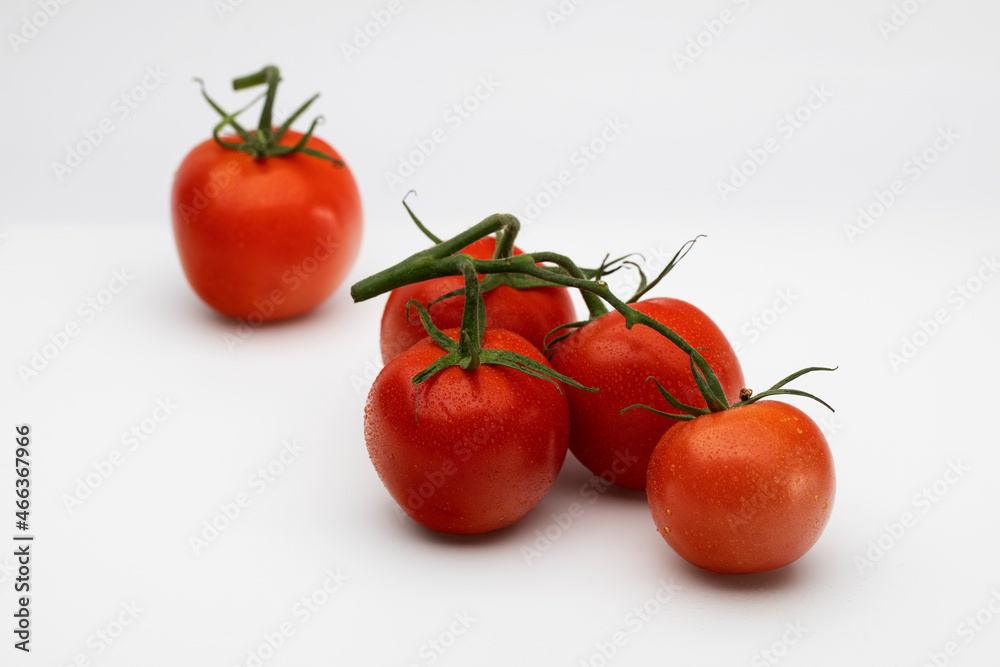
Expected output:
(748, 489)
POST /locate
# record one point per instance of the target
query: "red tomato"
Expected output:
(743, 490)
(616, 360)
(488, 445)
(265, 239)
(532, 313)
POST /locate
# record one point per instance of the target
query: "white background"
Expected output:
(782, 238)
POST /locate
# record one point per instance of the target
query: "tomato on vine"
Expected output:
(742, 488)
(488, 444)
(617, 360)
(734, 486)
(469, 427)
(267, 221)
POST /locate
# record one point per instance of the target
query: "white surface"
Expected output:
(896, 430)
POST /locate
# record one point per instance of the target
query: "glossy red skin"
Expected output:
(743, 490)
(488, 445)
(532, 313)
(267, 239)
(616, 360)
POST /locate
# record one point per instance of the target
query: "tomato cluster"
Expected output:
(488, 444)
(489, 379)
(734, 485)
(617, 361)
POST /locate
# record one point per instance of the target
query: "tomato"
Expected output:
(532, 313)
(488, 445)
(616, 360)
(265, 239)
(748, 489)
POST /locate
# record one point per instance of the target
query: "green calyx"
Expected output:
(468, 352)
(716, 398)
(263, 142)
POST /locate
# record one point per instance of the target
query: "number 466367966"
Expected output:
(22, 483)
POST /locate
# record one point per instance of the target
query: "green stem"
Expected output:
(434, 262)
(439, 261)
(505, 239)
(270, 76)
(473, 316)
(601, 289)
(264, 141)
(430, 263)
(593, 301)
(445, 259)
(267, 113)
(428, 233)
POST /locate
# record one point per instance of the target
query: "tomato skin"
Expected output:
(532, 313)
(744, 490)
(265, 239)
(488, 445)
(616, 360)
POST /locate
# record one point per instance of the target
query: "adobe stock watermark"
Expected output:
(754, 328)
(292, 280)
(786, 127)
(899, 16)
(258, 482)
(218, 180)
(585, 155)
(928, 329)
(87, 311)
(32, 24)
(7, 569)
(455, 116)
(912, 171)
(634, 622)
(365, 35)
(121, 108)
(434, 648)
(922, 502)
(590, 492)
(712, 30)
(131, 440)
(829, 424)
(224, 8)
(772, 655)
(461, 452)
(654, 260)
(562, 12)
(301, 613)
(105, 636)
(362, 382)
(966, 632)
(765, 490)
